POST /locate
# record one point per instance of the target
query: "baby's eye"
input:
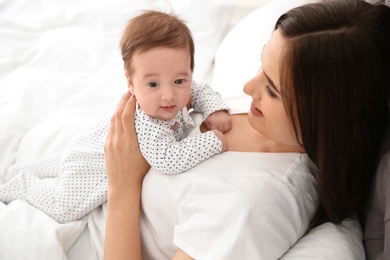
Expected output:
(179, 81)
(153, 84)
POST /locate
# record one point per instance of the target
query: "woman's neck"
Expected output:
(243, 138)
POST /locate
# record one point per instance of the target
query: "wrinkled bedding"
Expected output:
(61, 72)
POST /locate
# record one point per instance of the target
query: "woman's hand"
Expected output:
(125, 164)
(126, 169)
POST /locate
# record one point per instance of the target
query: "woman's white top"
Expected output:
(235, 205)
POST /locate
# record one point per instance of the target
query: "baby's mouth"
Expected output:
(168, 108)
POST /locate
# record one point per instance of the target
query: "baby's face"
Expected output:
(161, 81)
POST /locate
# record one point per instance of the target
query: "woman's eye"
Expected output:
(270, 92)
(153, 84)
(179, 81)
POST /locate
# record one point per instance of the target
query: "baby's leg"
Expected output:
(83, 181)
(82, 184)
(46, 167)
(19, 175)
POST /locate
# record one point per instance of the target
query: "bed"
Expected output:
(61, 71)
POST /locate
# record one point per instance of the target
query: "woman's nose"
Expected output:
(250, 88)
(253, 86)
(247, 89)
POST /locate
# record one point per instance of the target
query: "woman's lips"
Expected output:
(255, 111)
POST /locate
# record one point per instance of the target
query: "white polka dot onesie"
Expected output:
(81, 180)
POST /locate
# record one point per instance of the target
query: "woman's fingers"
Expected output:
(119, 112)
(124, 162)
(128, 116)
(116, 128)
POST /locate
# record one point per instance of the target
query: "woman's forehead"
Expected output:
(275, 44)
(271, 56)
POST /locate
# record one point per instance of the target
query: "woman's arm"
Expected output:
(181, 255)
(126, 169)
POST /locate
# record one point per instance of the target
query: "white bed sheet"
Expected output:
(61, 71)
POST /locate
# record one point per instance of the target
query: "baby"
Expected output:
(158, 53)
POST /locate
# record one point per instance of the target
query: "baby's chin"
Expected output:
(164, 117)
(164, 114)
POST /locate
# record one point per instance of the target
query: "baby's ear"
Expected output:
(131, 89)
(129, 83)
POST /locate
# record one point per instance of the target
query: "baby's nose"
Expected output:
(168, 93)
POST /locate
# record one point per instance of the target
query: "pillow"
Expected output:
(28, 233)
(13, 127)
(208, 21)
(329, 241)
(238, 56)
(53, 134)
(377, 224)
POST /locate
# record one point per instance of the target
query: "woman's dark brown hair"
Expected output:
(335, 79)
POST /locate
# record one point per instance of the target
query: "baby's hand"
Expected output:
(219, 120)
(221, 137)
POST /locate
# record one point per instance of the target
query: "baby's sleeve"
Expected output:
(163, 152)
(206, 100)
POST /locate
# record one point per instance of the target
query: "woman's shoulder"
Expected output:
(257, 167)
(252, 199)
(278, 178)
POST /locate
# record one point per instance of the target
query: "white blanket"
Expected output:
(61, 71)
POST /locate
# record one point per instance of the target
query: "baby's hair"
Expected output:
(153, 29)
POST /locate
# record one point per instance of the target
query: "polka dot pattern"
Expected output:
(81, 181)
(206, 100)
(168, 151)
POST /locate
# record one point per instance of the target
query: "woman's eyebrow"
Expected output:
(272, 84)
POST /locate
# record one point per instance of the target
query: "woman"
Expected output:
(321, 93)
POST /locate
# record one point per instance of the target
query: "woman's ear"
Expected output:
(129, 83)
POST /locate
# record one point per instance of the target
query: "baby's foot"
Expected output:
(12, 189)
